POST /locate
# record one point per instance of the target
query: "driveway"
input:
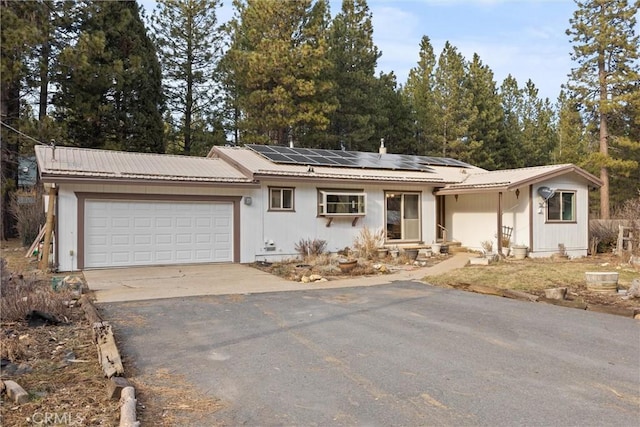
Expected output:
(142, 283)
(398, 354)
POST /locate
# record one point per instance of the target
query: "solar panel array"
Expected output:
(351, 159)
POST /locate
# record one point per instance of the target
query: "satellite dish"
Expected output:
(546, 193)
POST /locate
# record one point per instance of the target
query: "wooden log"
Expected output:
(46, 248)
(618, 311)
(486, 290)
(108, 355)
(128, 402)
(90, 310)
(579, 304)
(115, 387)
(519, 295)
(15, 392)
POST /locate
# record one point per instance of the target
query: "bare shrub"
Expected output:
(603, 236)
(367, 242)
(27, 208)
(630, 212)
(21, 294)
(309, 247)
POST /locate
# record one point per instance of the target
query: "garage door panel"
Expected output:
(122, 233)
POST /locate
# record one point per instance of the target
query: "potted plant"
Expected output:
(347, 264)
(519, 251)
(505, 241)
(487, 248)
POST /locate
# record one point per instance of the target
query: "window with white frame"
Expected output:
(346, 203)
(281, 199)
(561, 207)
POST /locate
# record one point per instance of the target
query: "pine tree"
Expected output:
(508, 155)
(274, 68)
(484, 130)
(354, 57)
(539, 137)
(572, 144)
(392, 117)
(419, 91)
(189, 46)
(455, 110)
(605, 49)
(110, 93)
(19, 36)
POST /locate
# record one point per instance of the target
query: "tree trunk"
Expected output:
(10, 147)
(604, 137)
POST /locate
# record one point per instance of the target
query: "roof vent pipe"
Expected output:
(290, 141)
(383, 149)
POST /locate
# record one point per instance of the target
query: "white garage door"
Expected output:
(128, 233)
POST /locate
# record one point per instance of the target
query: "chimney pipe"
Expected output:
(383, 149)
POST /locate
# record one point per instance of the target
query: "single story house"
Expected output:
(243, 204)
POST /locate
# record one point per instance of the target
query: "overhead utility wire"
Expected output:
(24, 134)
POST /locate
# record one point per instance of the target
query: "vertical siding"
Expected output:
(575, 236)
(257, 224)
(286, 229)
(472, 218)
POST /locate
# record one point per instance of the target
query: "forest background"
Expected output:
(177, 80)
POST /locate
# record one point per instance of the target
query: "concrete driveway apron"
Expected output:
(142, 283)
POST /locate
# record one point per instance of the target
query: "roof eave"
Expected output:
(57, 179)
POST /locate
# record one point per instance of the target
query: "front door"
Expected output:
(402, 216)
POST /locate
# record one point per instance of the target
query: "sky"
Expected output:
(524, 38)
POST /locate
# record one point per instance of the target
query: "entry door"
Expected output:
(402, 216)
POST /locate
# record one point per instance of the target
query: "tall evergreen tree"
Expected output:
(508, 155)
(392, 116)
(538, 129)
(455, 110)
(419, 91)
(354, 57)
(605, 49)
(484, 130)
(573, 144)
(189, 46)
(274, 67)
(110, 93)
(19, 36)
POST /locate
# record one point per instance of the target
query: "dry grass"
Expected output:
(535, 275)
(170, 400)
(24, 292)
(368, 241)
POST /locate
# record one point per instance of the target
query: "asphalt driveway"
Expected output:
(397, 354)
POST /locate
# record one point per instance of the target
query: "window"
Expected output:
(561, 207)
(280, 199)
(347, 203)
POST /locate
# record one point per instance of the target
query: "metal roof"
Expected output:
(510, 179)
(83, 163)
(258, 166)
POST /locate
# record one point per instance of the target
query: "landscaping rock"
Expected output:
(315, 277)
(15, 392)
(634, 290)
(555, 293)
(305, 279)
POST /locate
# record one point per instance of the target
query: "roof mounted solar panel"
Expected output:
(351, 159)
